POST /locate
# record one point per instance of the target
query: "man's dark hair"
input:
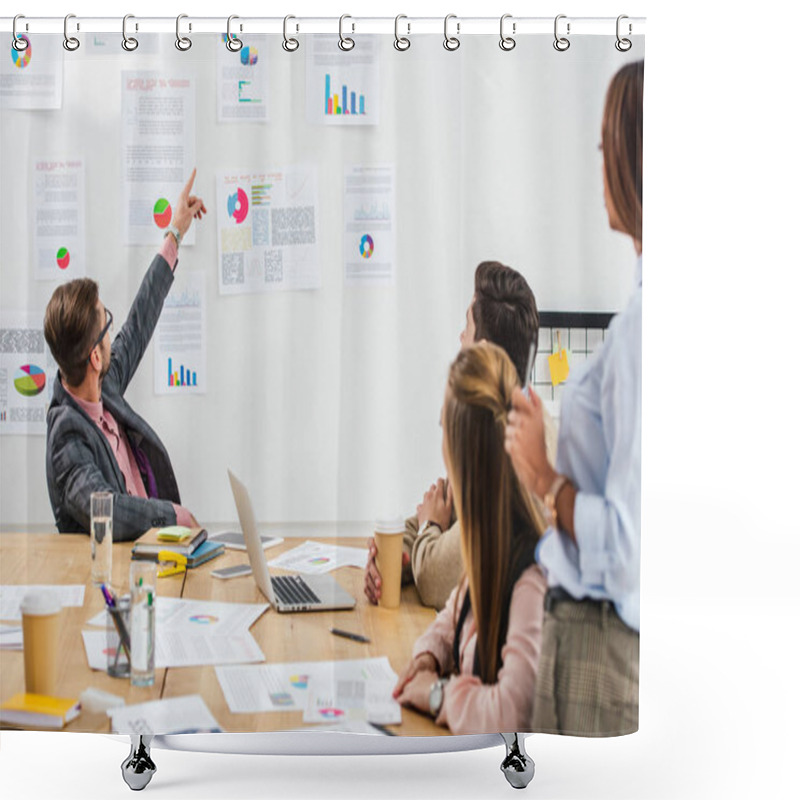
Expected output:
(71, 325)
(505, 312)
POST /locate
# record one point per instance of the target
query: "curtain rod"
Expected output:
(405, 26)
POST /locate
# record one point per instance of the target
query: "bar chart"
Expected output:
(345, 102)
(180, 377)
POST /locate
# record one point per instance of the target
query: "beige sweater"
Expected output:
(435, 557)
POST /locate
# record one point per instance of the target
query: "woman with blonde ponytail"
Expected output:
(474, 669)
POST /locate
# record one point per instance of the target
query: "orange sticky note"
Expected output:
(559, 367)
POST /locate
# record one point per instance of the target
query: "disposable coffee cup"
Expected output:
(389, 559)
(40, 622)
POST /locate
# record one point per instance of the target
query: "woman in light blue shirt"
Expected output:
(588, 681)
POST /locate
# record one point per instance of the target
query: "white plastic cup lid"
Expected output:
(390, 525)
(40, 604)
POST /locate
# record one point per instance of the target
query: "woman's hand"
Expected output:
(437, 505)
(424, 662)
(372, 575)
(189, 207)
(417, 692)
(525, 445)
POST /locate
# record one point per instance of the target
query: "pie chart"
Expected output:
(29, 380)
(331, 713)
(238, 206)
(62, 257)
(21, 58)
(162, 212)
(367, 246)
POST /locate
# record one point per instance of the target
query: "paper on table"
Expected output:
(176, 715)
(174, 649)
(284, 687)
(353, 699)
(10, 637)
(314, 558)
(11, 596)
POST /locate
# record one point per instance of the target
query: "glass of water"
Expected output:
(143, 623)
(101, 535)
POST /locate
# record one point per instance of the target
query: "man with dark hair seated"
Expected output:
(503, 311)
(95, 440)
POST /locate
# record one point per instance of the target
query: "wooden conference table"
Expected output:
(305, 636)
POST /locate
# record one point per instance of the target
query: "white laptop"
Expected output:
(285, 592)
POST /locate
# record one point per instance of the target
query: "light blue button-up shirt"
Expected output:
(600, 451)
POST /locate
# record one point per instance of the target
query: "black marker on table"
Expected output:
(356, 637)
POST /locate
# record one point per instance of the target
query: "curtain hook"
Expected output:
(561, 43)
(19, 42)
(183, 43)
(451, 42)
(232, 42)
(623, 45)
(401, 42)
(290, 44)
(507, 42)
(71, 43)
(345, 43)
(128, 42)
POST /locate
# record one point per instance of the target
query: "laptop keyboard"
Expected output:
(293, 590)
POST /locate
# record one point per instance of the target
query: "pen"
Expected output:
(356, 637)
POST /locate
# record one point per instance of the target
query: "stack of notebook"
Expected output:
(189, 542)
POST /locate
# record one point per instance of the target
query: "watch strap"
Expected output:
(175, 232)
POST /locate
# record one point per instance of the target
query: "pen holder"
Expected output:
(118, 642)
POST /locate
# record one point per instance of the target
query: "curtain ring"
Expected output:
(507, 42)
(128, 42)
(451, 42)
(290, 44)
(623, 45)
(232, 42)
(71, 43)
(19, 42)
(183, 43)
(345, 43)
(401, 43)
(561, 43)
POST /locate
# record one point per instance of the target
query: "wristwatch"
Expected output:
(550, 500)
(425, 525)
(437, 696)
(175, 232)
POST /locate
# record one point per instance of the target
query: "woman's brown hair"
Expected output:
(499, 526)
(622, 146)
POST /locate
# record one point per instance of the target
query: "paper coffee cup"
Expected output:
(389, 559)
(40, 622)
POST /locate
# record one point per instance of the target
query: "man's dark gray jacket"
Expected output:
(79, 458)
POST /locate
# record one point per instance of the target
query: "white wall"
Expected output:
(496, 158)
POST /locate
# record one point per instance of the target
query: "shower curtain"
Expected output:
(353, 184)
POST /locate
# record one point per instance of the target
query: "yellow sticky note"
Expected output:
(559, 367)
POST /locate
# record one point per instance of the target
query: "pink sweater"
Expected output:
(470, 706)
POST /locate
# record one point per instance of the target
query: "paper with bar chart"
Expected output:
(180, 338)
(268, 226)
(342, 88)
(242, 84)
(27, 372)
(158, 152)
(369, 236)
(59, 218)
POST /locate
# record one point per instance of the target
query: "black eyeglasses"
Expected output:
(106, 327)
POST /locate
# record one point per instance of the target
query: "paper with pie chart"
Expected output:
(31, 78)
(315, 558)
(268, 230)
(158, 152)
(27, 372)
(242, 85)
(59, 218)
(326, 692)
(369, 233)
